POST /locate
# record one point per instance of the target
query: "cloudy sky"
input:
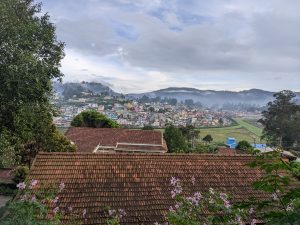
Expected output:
(143, 45)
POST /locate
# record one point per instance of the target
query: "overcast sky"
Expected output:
(143, 45)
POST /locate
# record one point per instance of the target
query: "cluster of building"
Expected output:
(134, 114)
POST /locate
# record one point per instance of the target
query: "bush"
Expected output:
(92, 118)
(7, 150)
(20, 173)
(245, 146)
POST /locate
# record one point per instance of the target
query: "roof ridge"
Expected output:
(150, 154)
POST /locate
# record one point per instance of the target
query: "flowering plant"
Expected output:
(36, 204)
(280, 183)
(207, 208)
(115, 216)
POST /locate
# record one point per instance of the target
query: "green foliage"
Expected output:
(279, 182)
(20, 174)
(175, 139)
(92, 118)
(191, 134)
(208, 138)
(31, 207)
(7, 150)
(37, 204)
(204, 148)
(281, 121)
(7, 189)
(244, 146)
(113, 221)
(30, 60)
(115, 216)
(147, 127)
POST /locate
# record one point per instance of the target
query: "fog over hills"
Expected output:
(205, 97)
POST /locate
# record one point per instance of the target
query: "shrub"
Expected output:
(20, 173)
(92, 118)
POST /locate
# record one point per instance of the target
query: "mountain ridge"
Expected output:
(252, 96)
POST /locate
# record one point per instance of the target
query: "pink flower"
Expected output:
(253, 222)
(55, 210)
(251, 211)
(227, 204)
(290, 207)
(34, 183)
(239, 220)
(171, 209)
(223, 196)
(173, 194)
(275, 197)
(177, 206)
(211, 191)
(24, 197)
(70, 208)
(61, 186)
(198, 195)
(21, 186)
(84, 212)
(174, 181)
(178, 189)
(33, 198)
(55, 200)
(111, 212)
(121, 213)
(193, 180)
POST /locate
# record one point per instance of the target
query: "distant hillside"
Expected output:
(205, 97)
(68, 90)
(210, 97)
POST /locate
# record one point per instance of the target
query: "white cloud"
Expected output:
(144, 45)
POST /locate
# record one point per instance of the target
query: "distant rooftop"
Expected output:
(116, 140)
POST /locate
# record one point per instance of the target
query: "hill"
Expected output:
(68, 90)
(205, 97)
(211, 97)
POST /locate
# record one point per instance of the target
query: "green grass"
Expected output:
(220, 135)
(250, 127)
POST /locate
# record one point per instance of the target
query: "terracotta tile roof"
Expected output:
(231, 151)
(87, 139)
(140, 183)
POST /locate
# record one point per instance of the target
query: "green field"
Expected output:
(242, 131)
(250, 127)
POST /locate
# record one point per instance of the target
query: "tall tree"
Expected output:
(175, 139)
(281, 121)
(30, 60)
(191, 134)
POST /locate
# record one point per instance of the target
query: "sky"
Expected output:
(136, 46)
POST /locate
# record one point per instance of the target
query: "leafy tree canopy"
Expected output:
(281, 121)
(30, 59)
(92, 118)
(245, 146)
(147, 127)
(208, 138)
(175, 140)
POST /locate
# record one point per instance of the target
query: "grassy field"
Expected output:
(242, 131)
(221, 134)
(254, 129)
